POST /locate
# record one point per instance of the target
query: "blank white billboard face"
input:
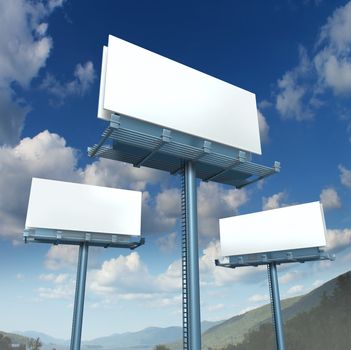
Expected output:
(141, 84)
(294, 227)
(75, 207)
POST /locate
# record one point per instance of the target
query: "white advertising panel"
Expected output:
(144, 85)
(76, 207)
(294, 227)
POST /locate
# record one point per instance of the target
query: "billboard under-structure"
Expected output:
(58, 205)
(141, 84)
(293, 227)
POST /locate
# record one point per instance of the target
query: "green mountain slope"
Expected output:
(326, 326)
(233, 330)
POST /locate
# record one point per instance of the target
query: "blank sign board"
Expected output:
(144, 85)
(294, 227)
(85, 208)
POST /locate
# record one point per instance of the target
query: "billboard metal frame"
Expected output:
(83, 240)
(272, 259)
(144, 144)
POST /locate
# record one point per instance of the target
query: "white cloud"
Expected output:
(214, 202)
(160, 214)
(24, 49)
(167, 243)
(60, 291)
(51, 277)
(292, 100)
(300, 89)
(215, 308)
(296, 289)
(290, 276)
(317, 283)
(61, 256)
(273, 202)
(338, 239)
(45, 155)
(345, 176)
(264, 127)
(257, 298)
(211, 275)
(84, 76)
(330, 198)
(106, 172)
(12, 115)
(333, 61)
(128, 275)
(20, 276)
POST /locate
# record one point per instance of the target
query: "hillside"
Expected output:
(326, 325)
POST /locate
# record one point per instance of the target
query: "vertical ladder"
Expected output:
(185, 294)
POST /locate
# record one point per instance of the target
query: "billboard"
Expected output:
(75, 207)
(141, 84)
(294, 227)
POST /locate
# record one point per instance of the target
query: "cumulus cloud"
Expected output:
(296, 289)
(258, 298)
(300, 88)
(214, 202)
(291, 100)
(106, 172)
(273, 202)
(290, 276)
(50, 277)
(24, 50)
(128, 275)
(345, 176)
(84, 76)
(330, 198)
(45, 155)
(167, 243)
(13, 112)
(61, 256)
(211, 275)
(160, 214)
(333, 61)
(264, 127)
(338, 239)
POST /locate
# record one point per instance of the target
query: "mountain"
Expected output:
(234, 330)
(325, 326)
(47, 339)
(15, 338)
(239, 328)
(146, 338)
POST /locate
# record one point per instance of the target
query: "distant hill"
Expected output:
(146, 338)
(47, 339)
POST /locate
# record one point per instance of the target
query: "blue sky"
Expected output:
(296, 57)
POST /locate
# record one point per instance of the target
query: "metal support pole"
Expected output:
(276, 308)
(193, 258)
(79, 297)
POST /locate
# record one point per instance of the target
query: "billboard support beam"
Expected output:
(193, 299)
(272, 259)
(79, 296)
(276, 307)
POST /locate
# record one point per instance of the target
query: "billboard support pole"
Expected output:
(276, 307)
(79, 297)
(193, 313)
